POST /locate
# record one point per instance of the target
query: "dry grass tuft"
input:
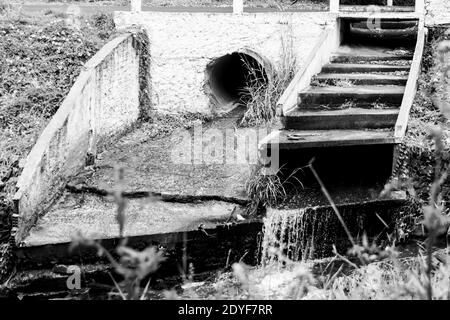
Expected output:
(264, 93)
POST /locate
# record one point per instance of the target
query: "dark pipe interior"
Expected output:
(231, 74)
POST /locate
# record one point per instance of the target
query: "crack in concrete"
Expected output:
(165, 197)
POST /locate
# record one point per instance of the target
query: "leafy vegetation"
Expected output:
(41, 56)
(31, 94)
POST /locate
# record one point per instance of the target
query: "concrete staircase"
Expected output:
(353, 91)
(357, 94)
(347, 117)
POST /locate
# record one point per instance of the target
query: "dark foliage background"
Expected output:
(41, 57)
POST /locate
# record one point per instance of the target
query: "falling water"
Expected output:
(294, 235)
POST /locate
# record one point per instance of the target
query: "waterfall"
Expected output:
(296, 235)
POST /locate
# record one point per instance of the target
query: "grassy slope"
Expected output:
(417, 163)
(41, 58)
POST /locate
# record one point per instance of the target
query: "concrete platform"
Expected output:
(179, 164)
(95, 217)
(165, 193)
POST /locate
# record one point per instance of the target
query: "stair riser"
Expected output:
(315, 101)
(362, 69)
(384, 37)
(342, 122)
(333, 81)
(387, 25)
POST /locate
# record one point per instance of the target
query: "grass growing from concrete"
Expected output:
(263, 94)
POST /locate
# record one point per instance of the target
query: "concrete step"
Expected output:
(387, 24)
(359, 68)
(148, 222)
(353, 118)
(361, 96)
(358, 58)
(359, 79)
(306, 139)
(371, 8)
(390, 34)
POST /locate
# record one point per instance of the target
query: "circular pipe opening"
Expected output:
(230, 76)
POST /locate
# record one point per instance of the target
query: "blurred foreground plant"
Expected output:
(132, 265)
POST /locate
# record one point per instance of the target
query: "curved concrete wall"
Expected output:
(103, 102)
(183, 43)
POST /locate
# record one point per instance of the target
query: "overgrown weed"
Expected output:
(263, 94)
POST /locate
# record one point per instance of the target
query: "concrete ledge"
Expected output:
(103, 102)
(411, 85)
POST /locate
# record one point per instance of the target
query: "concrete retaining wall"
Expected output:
(438, 12)
(182, 44)
(103, 102)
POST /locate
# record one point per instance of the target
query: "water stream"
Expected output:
(295, 235)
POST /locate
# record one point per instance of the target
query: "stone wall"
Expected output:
(103, 102)
(182, 44)
(438, 12)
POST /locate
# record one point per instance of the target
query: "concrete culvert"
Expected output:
(229, 77)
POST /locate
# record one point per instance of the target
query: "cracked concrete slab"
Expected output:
(178, 164)
(187, 194)
(95, 217)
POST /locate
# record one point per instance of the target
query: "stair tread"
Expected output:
(371, 51)
(356, 90)
(358, 58)
(329, 138)
(365, 65)
(299, 112)
(356, 76)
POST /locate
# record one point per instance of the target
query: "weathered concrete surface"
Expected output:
(95, 217)
(304, 139)
(363, 96)
(103, 102)
(202, 161)
(437, 12)
(150, 167)
(313, 232)
(361, 78)
(353, 118)
(182, 44)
